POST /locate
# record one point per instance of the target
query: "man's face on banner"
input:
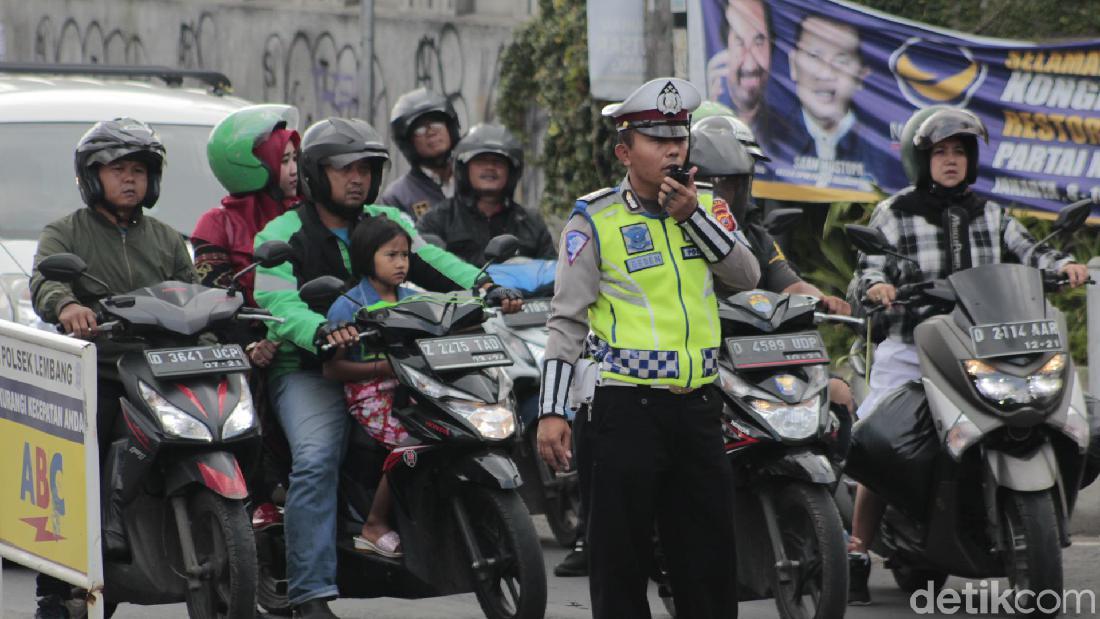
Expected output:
(826, 69)
(750, 53)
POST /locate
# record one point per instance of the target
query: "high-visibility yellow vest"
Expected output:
(656, 317)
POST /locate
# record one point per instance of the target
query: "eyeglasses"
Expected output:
(431, 125)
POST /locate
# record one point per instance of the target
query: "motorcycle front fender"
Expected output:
(1038, 471)
(217, 470)
(489, 469)
(801, 465)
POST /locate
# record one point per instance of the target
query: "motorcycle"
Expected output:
(1006, 425)
(555, 494)
(189, 423)
(456, 495)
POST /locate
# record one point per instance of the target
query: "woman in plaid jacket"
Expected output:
(943, 227)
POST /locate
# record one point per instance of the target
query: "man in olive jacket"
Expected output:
(118, 167)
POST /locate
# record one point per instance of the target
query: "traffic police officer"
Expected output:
(635, 267)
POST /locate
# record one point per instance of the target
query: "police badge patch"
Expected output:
(722, 214)
(575, 241)
(668, 101)
(637, 239)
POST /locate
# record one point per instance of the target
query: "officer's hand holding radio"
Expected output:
(677, 195)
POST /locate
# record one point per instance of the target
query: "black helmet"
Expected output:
(110, 140)
(937, 127)
(484, 139)
(338, 142)
(409, 108)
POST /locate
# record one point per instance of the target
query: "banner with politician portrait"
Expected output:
(827, 86)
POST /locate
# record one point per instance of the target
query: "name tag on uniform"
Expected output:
(690, 251)
(647, 261)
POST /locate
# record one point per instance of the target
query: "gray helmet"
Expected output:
(110, 140)
(410, 107)
(483, 139)
(741, 129)
(934, 124)
(338, 142)
(717, 148)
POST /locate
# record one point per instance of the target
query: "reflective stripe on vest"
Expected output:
(656, 315)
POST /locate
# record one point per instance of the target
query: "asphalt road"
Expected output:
(569, 599)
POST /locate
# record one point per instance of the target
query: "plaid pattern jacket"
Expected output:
(995, 237)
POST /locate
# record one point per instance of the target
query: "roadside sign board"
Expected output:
(49, 457)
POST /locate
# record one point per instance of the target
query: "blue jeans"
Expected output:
(314, 417)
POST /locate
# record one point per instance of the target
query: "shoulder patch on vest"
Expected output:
(596, 195)
(575, 241)
(722, 214)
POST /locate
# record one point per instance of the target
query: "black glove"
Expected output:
(320, 337)
(496, 295)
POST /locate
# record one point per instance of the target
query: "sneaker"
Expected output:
(51, 607)
(859, 571)
(266, 515)
(574, 564)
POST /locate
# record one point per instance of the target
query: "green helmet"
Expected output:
(229, 147)
(710, 108)
(910, 160)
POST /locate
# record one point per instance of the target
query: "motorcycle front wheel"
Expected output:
(816, 584)
(1033, 551)
(226, 551)
(510, 578)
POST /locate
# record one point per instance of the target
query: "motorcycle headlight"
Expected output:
(243, 417)
(493, 421)
(175, 422)
(1010, 391)
(790, 421)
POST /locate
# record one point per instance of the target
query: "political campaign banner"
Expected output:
(49, 462)
(828, 85)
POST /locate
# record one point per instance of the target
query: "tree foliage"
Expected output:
(1031, 20)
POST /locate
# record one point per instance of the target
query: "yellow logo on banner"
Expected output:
(930, 74)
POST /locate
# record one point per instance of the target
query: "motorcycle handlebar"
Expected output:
(363, 335)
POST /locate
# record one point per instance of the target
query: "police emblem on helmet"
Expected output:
(668, 101)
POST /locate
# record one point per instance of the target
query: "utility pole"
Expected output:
(366, 59)
(659, 55)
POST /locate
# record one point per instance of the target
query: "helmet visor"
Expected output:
(948, 123)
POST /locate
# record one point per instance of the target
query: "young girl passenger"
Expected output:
(380, 258)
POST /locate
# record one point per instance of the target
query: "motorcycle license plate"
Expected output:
(1016, 338)
(535, 312)
(464, 352)
(170, 362)
(746, 353)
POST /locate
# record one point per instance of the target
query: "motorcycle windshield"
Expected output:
(1000, 293)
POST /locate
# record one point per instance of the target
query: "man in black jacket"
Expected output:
(424, 126)
(488, 166)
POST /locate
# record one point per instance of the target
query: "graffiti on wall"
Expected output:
(68, 41)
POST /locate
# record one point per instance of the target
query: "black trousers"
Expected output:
(659, 456)
(582, 456)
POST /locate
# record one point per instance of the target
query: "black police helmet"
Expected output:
(110, 140)
(488, 139)
(411, 107)
(338, 142)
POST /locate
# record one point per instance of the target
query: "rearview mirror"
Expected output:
(273, 253)
(1073, 216)
(501, 248)
(868, 240)
(321, 291)
(781, 220)
(65, 268)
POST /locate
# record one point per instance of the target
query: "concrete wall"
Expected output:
(304, 52)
